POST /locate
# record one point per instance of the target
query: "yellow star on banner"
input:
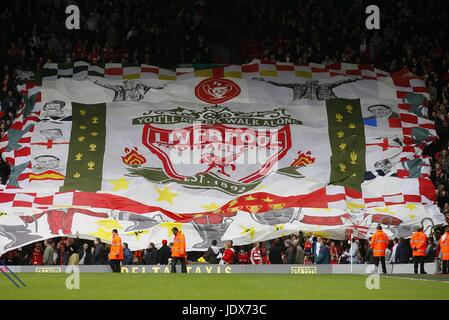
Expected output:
(250, 198)
(211, 206)
(233, 202)
(279, 227)
(102, 234)
(254, 209)
(249, 231)
(267, 199)
(277, 206)
(349, 108)
(81, 138)
(342, 167)
(109, 224)
(119, 184)
(166, 195)
(354, 205)
(340, 134)
(169, 226)
(322, 234)
(385, 210)
(83, 112)
(342, 146)
(411, 206)
(322, 209)
(82, 127)
(138, 233)
(351, 126)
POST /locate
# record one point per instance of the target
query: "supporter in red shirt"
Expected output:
(263, 254)
(255, 255)
(37, 257)
(243, 256)
(228, 254)
(107, 53)
(94, 55)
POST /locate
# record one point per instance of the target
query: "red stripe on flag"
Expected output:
(281, 67)
(44, 200)
(412, 198)
(218, 72)
(6, 197)
(149, 70)
(114, 71)
(250, 68)
(353, 193)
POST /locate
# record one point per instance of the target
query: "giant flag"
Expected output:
(245, 153)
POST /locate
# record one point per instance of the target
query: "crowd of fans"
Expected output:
(413, 34)
(292, 249)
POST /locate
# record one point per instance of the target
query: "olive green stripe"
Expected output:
(347, 139)
(86, 150)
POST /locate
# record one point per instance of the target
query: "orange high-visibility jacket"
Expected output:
(419, 241)
(116, 251)
(444, 246)
(379, 242)
(179, 246)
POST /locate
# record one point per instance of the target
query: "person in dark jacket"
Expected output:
(150, 256)
(324, 254)
(164, 253)
(211, 255)
(127, 255)
(85, 255)
(275, 254)
(369, 257)
(98, 252)
(404, 252)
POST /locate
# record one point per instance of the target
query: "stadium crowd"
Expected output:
(292, 249)
(412, 35)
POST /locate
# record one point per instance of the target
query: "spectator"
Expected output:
(275, 254)
(404, 252)
(98, 252)
(254, 254)
(37, 257)
(212, 253)
(150, 256)
(228, 254)
(127, 255)
(394, 251)
(164, 253)
(324, 255)
(431, 250)
(291, 252)
(243, 256)
(49, 252)
(85, 255)
(334, 256)
(299, 258)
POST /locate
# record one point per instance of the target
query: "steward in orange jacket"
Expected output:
(178, 251)
(418, 242)
(379, 243)
(444, 249)
(116, 251)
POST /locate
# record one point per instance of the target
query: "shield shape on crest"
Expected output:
(237, 154)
